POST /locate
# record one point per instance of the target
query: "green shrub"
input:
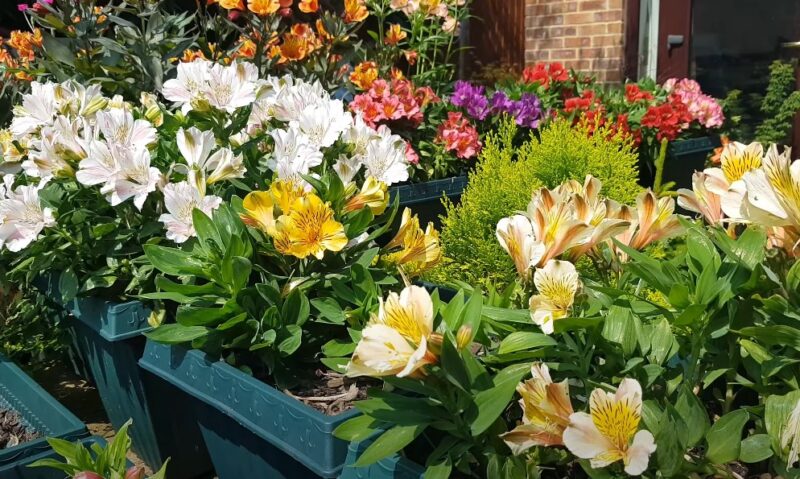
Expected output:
(779, 105)
(502, 183)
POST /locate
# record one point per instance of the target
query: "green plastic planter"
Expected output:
(392, 467)
(109, 338)
(685, 157)
(39, 410)
(22, 469)
(425, 199)
(251, 429)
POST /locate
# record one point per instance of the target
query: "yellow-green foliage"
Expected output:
(502, 184)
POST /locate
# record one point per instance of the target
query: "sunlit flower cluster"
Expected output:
(431, 9)
(413, 250)
(17, 52)
(459, 136)
(607, 434)
(391, 103)
(703, 108)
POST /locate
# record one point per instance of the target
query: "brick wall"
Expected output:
(586, 35)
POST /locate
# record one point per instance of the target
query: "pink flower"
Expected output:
(49, 2)
(22, 7)
(459, 136)
(411, 155)
(703, 108)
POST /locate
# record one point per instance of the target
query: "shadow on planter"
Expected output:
(684, 157)
(21, 470)
(40, 411)
(251, 429)
(425, 199)
(109, 338)
(392, 467)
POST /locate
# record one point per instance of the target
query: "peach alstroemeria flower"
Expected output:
(515, 235)
(726, 181)
(546, 409)
(609, 433)
(395, 342)
(556, 284)
(701, 200)
(355, 11)
(395, 35)
(655, 220)
(594, 211)
(309, 6)
(555, 224)
(263, 7)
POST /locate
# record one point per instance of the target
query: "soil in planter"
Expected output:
(13, 430)
(332, 393)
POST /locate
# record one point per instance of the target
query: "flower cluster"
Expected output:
(431, 9)
(545, 74)
(573, 220)
(527, 111)
(17, 53)
(703, 108)
(750, 187)
(668, 119)
(393, 103)
(457, 135)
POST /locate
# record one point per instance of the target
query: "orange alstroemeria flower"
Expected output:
(247, 48)
(395, 35)
(364, 75)
(355, 11)
(263, 7)
(232, 4)
(293, 48)
(323, 33)
(309, 6)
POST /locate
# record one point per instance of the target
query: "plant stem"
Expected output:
(662, 157)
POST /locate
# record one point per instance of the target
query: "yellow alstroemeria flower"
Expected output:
(546, 410)
(609, 433)
(596, 212)
(515, 235)
(419, 250)
(259, 210)
(395, 342)
(374, 194)
(310, 229)
(556, 284)
(285, 193)
(555, 223)
(773, 192)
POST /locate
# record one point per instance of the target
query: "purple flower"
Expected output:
(22, 7)
(501, 103)
(529, 110)
(49, 2)
(471, 98)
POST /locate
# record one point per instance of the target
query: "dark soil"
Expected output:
(332, 393)
(13, 431)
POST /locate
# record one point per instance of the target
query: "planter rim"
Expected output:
(414, 193)
(38, 409)
(161, 367)
(694, 145)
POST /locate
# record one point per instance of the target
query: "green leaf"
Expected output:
(773, 335)
(712, 376)
(755, 448)
(441, 470)
(523, 340)
(329, 310)
(506, 315)
(357, 429)
(289, 344)
(176, 333)
(173, 261)
(725, 437)
(67, 285)
(622, 327)
(491, 402)
(296, 308)
(692, 413)
(389, 443)
(661, 341)
(58, 49)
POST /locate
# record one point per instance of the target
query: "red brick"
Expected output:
(535, 33)
(590, 53)
(615, 4)
(564, 7)
(549, 43)
(606, 40)
(614, 27)
(579, 18)
(570, 31)
(563, 54)
(593, 5)
(590, 30)
(547, 20)
(577, 41)
(608, 16)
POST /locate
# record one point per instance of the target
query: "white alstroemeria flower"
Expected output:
(515, 235)
(556, 284)
(386, 159)
(100, 165)
(394, 343)
(135, 178)
(188, 87)
(181, 199)
(790, 436)
(294, 155)
(727, 181)
(68, 134)
(230, 87)
(347, 168)
(324, 123)
(609, 433)
(44, 159)
(358, 135)
(22, 216)
(773, 191)
(118, 126)
(5, 188)
(293, 100)
(195, 146)
(224, 165)
(38, 109)
(700, 199)
(80, 100)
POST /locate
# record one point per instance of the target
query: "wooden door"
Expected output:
(497, 33)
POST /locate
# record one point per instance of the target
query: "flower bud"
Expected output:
(135, 472)
(464, 337)
(96, 104)
(156, 318)
(87, 475)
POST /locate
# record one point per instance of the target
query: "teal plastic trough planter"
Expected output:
(39, 410)
(251, 429)
(22, 469)
(109, 338)
(425, 199)
(392, 467)
(685, 157)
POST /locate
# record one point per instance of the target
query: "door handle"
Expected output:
(674, 41)
(791, 45)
